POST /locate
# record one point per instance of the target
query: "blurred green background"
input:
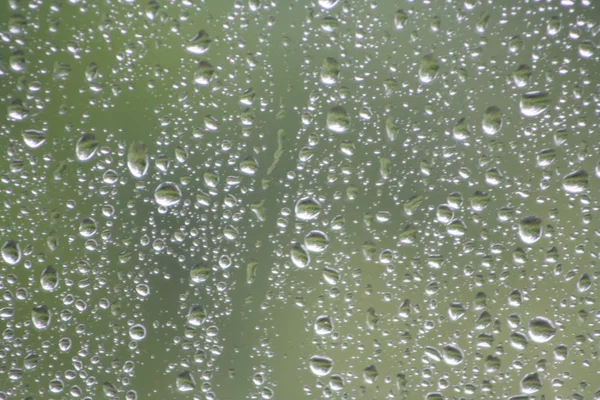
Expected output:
(242, 130)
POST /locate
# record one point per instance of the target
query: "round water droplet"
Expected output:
(137, 332)
(167, 194)
(316, 241)
(249, 166)
(200, 273)
(531, 383)
(492, 120)
(456, 228)
(541, 330)
(34, 138)
(88, 227)
(307, 209)
(338, 120)
(428, 68)
(323, 325)
(522, 75)
(137, 159)
(41, 317)
(533, 104)
(452, 355)
(199, 44)
(320, 365)
(196, 315)
(576, 182)
(204, 73)
(299, 255)
(530, 229)
(86, 147)
(185, 382)
(330, 71)
(11, 252)
(49, 279)
(328, 4)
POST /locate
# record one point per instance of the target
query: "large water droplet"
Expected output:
(307, 208)
(86, 147)
(167, 194)
(11, 252)
(320, 365)
(199, 44)
(530, 229)
(338, 120)
(428, 68)
(576, 182)
(137, 159)
(34, 138)
(541, 330)
(41, 317)
(533, 104)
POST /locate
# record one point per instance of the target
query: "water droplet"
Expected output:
(167, 194)
(196, 315)
(452, 355)
(576, 182)
(137, 332)
(323, 325)
(49, 279)
(41, 317)
(320, 365)
(533, 104)
(492, 120)
(200, 273)
(330, 71)
(530, 229)
(400, 19)
(137, 159)
(204, 73)
(199, 44)
(316, 242)
(428, 68)
(531, 383)
(34, 138)
(11, 252)
(86, 147)
(88, 227)
(328, 4)
(299, 255)
(338, 120)
(541, 330)
(185, 382)
(307, 209)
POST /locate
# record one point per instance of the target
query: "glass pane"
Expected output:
(299, 199)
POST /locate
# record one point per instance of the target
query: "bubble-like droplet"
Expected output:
(137, 159)
(328, 4)
(167, 194)
(370, 374)
(307, 209)
(137, 332)
(200, 273)
(522, 75)
(204, 73)
(88, 227)
(456, 228)
(17, 110)
(461, 130)
(185, 382)
(492, 120)
(533, 104)
(531, 383)
(249, 166)
(541, 330)
(336, 383)
(49, 279)
(34, 138)
(320, 365)
(41, 317)
(316, 241)
(330, 71)
(199, 44)
(530, 229)
(576, 182)
(400, 19)
(86, 147)
(452, 355)
(338, 120)
(323, 325)
(11, 252)
(428, 68)
(196, 315)
(299, 255)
